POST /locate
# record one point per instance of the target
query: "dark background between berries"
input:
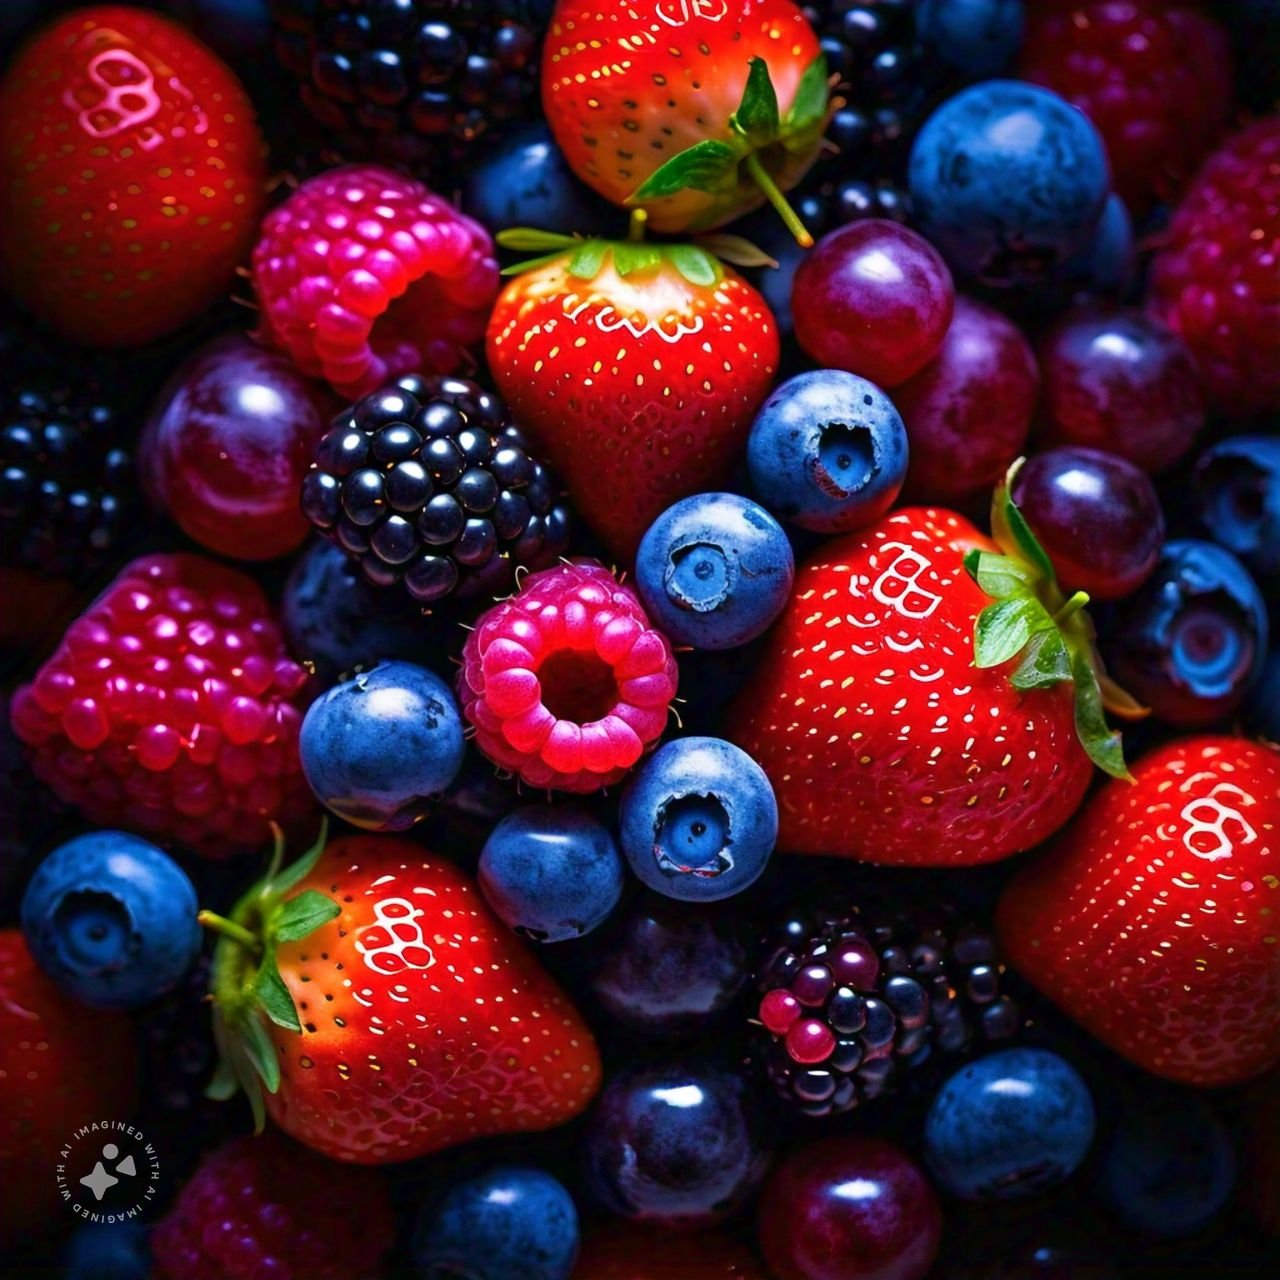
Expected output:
(898, 83)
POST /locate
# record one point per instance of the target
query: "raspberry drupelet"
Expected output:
(567, 683)
(170, 709)
(363, 275)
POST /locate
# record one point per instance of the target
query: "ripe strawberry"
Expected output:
(695, 110)
(385, 1011)
(639, 368)
(62, 1065)
(1152, 919)
(883, 719)
(132, 176)
(625, 1251)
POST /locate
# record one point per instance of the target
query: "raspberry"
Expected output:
(169, 709)
(264, 1206)
(1154, 77)
(1215, 281)
(566, 683)
(363, 275)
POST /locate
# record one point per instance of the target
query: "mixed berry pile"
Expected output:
(637, 640)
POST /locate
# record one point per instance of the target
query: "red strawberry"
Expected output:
(882, 738)
(696, 110)
(61, 1066)
(639, 367)
(132, 176)
(386, 1012)
(1153, 918)
(622, 1251)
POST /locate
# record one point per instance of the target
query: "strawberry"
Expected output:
(639, 368)
(372, 1005)
(132, 176)
(885, 712)
(62, 1065)
(695, 110)
(1152, 920)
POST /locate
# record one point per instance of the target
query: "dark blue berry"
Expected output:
(1237, 484)
(714, 570)
(977, 37)
(107, 1251)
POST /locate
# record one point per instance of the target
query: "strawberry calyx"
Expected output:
(247, 990)
(1033, 619)
(762, 143)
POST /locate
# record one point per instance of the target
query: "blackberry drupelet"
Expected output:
(66, 481)
(848, 1007)
(413, 80)
(428, 483)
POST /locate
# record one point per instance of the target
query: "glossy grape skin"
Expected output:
(849, 1208)
(968, 411)
(1120, 380)
(873, 298)
(227, 445)
(1097, 516)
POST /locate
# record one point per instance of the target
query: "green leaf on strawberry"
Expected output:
(705, 166)
(756, 118)
(634, 256)
(1052, 635)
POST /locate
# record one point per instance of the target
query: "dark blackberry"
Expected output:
(427, 483)
(414, 80)
(66, 480)
(847, 1008)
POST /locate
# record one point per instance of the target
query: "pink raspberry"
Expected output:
(567, 683)
(1154, 76)
(1216, 279)
(363, 275)
(170, 709)
(264, 1206)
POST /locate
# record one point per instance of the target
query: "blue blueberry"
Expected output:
(978, 37)
(378, 747)
(828, 451)
(698, 820)
(1237, 484)
(1170, 1167)
(1009, 181)
(1192, 641)
(107, 1251)
(510, 1221)
(1107, 264)
(675, 1144)
(551, 873)
(668, 968)
(714, 570)
(1010, 1125)
(111, 919)
(526, 182)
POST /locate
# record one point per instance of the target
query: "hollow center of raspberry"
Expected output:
(846, 459)
(691, 837)
(578, 686)
(92, 929)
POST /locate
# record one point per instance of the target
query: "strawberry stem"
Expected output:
(775, 197)
(1072, 607)
(635, 231)
(230, 929)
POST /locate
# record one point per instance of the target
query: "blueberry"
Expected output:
(525, 182)
(674, 1144)
(510, 1221)
(1009, 181)
(828, 451)
(698, 820)
(1191, 643)
(714, 570)
(1237, 486)
(111, 919)
(1105, 267)
(978, 37)
(107, 1251)
(1170, 1166)
(1008, 1126)
(551, 873)
(669, 967)
(377, 747)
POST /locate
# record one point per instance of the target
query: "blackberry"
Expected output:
(413, 80)
(848, 1008)
(427, 483)
(66, 481)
